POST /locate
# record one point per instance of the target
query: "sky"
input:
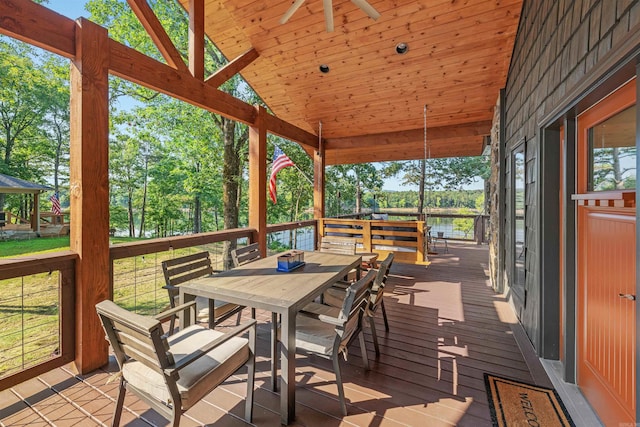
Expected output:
(70, 8)
(75, 8)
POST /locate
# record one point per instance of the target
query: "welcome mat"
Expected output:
(514, 403)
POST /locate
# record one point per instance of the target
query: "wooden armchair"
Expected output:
(173, 373)
(335, 295)
(245, 254)
(328, 331)
(186, 268)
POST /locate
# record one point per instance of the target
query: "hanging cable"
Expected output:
(427, 156)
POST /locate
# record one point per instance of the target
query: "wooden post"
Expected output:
(89, 189)
(366, 236)
(36, 212)
(258, 178)
(196, 38)
(318, 188)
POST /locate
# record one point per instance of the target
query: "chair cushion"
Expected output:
(200, 377)
(314, 335)
(202, 308)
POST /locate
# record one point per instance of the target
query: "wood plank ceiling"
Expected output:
(371, 101)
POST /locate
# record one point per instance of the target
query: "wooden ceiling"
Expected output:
(371, 102)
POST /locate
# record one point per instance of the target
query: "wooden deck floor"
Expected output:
(447, 329)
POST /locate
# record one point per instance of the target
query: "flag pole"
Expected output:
(299, 170)
(303, 174)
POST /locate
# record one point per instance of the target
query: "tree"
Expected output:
(295, 184)
(57, 118)
(24, 100)
(444, 173)
(352, 181)
(614, 168)
(187, 136)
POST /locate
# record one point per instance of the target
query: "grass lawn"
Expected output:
(13, 248)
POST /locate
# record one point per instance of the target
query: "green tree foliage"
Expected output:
(34, 110)
(294, 184)
(614, 168)
(346, 186)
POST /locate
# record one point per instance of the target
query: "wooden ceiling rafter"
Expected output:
(37, 25)
(232, 68)
(458, 57)
(156, 31)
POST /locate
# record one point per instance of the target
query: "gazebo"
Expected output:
(13, 185)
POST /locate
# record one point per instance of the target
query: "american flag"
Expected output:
(55, 204)
(280, 161)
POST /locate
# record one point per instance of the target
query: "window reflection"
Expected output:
(612, 152)
(519, 231)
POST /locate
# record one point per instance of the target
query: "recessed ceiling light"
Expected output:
(402, 48)
(324, 68)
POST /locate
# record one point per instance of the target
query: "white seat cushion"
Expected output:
(314, 335)
(202, 308)
(198, 378)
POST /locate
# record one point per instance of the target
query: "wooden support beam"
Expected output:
(447, 147)
(444, 141)
(277, 126)
(34, 24)
(89, 189)
(196, 38)
(232, 68)
(134, 66)
(258, 178)
(391, 138)
(156, 31)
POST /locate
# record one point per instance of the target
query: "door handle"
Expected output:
(628, 296)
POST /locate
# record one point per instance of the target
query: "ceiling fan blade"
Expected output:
(367, 8)
(328, 14)
(295, 6)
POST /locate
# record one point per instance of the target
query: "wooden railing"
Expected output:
(37, 315)
(470, 227)
(406, 239)
(137, 277)
(292, 235)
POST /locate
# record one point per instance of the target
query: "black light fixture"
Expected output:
(324, 68)
(402, 48)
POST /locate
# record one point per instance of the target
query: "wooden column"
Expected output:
(36, 212)
(196, 38)
(318, 187)
(258, 178)
(89, 189)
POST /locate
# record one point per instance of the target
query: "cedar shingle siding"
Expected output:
(559, 45)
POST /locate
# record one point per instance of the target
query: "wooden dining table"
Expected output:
(260, 285)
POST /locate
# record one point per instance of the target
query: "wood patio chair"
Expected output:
(343, 246)
(173, 373)
(338, 245)
(328, 331)
(186, 268)
(335, 295)
(245, 254)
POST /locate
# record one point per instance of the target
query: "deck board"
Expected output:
(447, 328)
